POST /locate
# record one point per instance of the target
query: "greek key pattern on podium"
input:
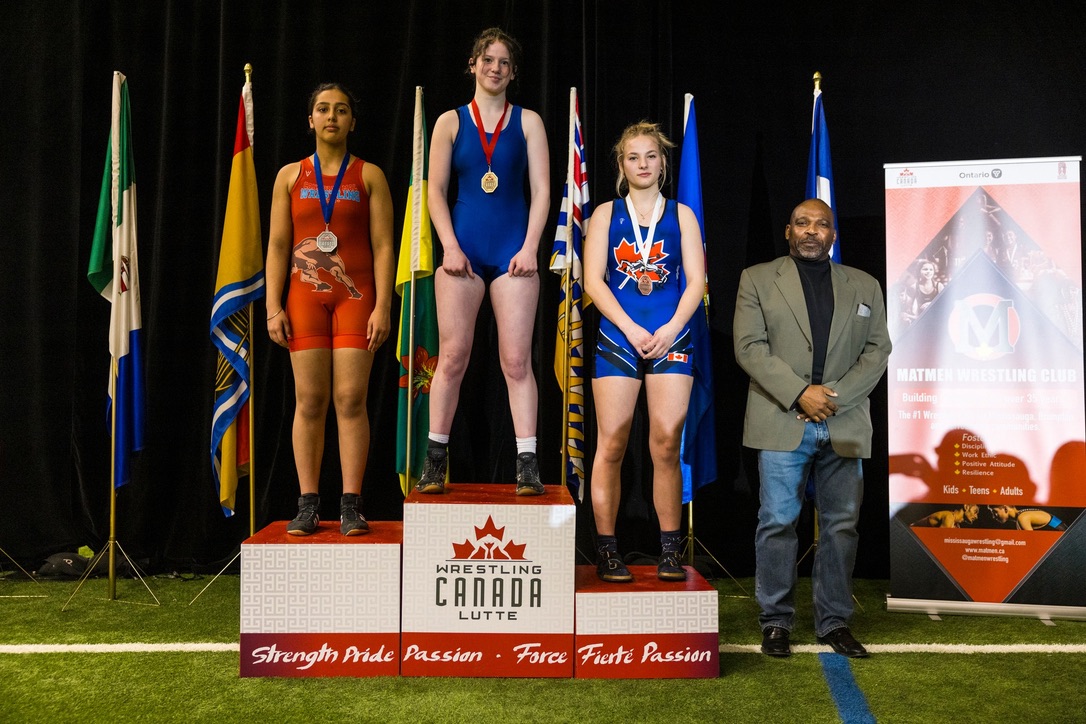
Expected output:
(320, 588)
(651, 613)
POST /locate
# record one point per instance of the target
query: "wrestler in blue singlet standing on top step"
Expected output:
(490, 237)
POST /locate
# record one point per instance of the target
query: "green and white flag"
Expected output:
(114, 273)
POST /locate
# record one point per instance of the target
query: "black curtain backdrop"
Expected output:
(903, 82)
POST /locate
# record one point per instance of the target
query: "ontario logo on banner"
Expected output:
(488, 583)
(987, 429)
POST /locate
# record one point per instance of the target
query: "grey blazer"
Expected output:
(772, 335)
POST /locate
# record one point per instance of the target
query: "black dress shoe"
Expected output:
(775, 642)
(842, 641)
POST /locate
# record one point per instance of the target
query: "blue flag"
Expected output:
(697, 457)
(819, 167)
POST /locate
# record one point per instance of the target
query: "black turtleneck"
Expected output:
(818, 291)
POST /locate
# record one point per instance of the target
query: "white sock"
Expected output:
(525, 444)
(442, 439)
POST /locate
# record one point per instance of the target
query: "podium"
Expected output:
(475, 582)
(321, 605)
(488, 582)
(647, 629)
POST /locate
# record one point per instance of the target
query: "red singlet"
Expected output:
(331, 295)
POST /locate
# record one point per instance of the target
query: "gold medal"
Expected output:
(327, 241)
(644, 285)
(489, 181)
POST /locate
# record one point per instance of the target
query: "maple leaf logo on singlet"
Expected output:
(629, 262)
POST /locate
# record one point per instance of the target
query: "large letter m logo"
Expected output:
(984, 338)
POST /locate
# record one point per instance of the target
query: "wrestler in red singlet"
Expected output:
(330, 255)
(331, 294)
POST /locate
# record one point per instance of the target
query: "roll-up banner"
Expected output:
(987, 426)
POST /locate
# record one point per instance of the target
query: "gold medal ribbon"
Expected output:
(488, 147)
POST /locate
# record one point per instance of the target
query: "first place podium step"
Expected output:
(488, 582)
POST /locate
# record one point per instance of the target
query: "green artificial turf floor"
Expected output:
(921, 670)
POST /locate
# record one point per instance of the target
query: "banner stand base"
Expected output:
(975, 608)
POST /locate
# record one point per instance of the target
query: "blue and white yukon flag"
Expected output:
(114, 273)
(819, 167)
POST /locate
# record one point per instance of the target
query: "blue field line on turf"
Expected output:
(851, 702)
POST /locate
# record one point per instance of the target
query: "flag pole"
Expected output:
(690, 534)
(694, 199)
(409, 426)
(252, 435)
(248, 69)
(252, 392)
(113, 480)
(112, 545)
(416, 222)
(110, 225)
(817, 78)
(567, 289)
(818, 89)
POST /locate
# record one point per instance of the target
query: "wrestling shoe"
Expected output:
(434, 468)
(610, 568)
(528, 475)
(669, 568)
(351, 521)
(307, 520)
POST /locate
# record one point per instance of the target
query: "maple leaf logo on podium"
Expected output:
(488, 545)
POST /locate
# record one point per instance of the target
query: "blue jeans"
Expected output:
(838, 484)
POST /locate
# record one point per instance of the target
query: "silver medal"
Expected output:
(327, 241)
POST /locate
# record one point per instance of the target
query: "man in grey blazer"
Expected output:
(812, 336)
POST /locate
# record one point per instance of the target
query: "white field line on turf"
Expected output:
(114, 648)
(724, 648)
(926, 649)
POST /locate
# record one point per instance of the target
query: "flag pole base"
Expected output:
(690, 547)
(25, 573)
(216, 576)
(112, 597)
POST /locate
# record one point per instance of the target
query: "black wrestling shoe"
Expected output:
(351, 521)
(610, 568)
(669, 568)
(434, 469)
(307, 520)
(842, 641)
(775, 642)
(528, 475)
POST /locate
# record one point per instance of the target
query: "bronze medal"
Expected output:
(327, 241)
(489, 182)
(644, 285)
